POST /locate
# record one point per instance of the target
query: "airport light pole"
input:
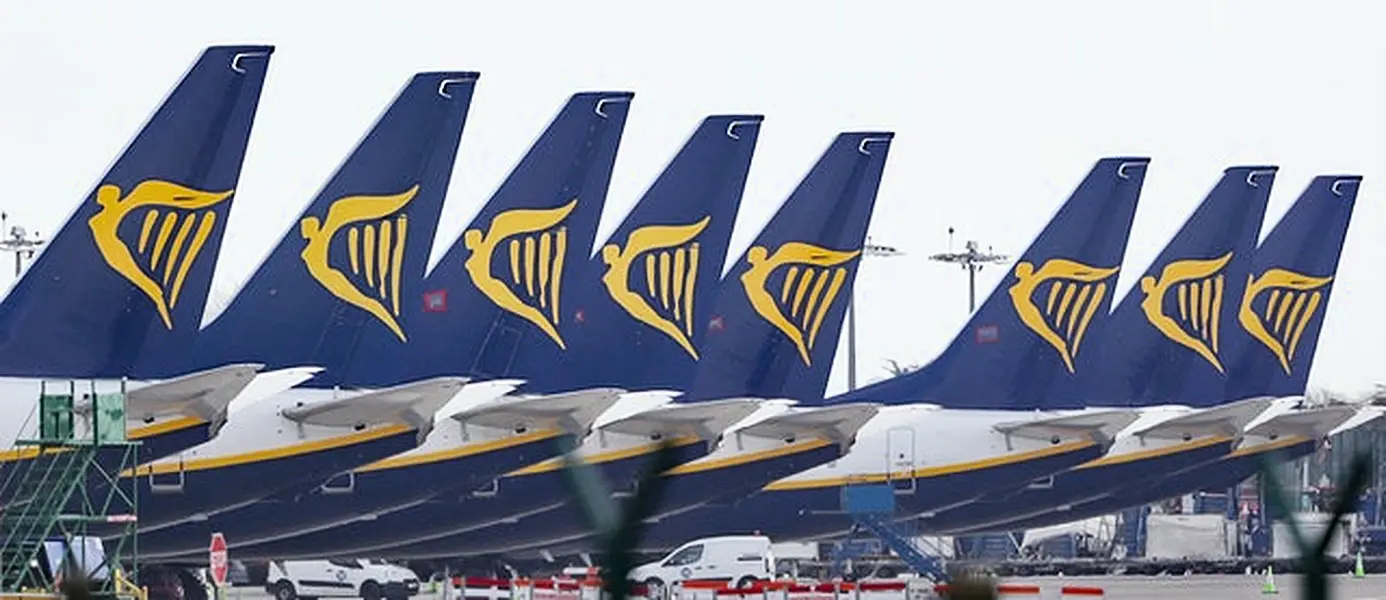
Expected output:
(19, 242)
(869, 249)
(971, 261)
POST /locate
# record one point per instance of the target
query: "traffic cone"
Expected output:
(1357, 571)
(1269, 586)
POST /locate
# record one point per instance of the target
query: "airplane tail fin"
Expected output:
(120, 290)
(1033, 329)
(637, 304)
(355, 257)
(775, 325)
(1163, 343)
(1287, 289)
(502, 283)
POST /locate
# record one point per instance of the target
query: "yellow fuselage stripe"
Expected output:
(554, 464)
(1128, 457)
(690, 468)
(1285, 442)
(280, 452)
(462, 451)
(163, 427)
(926, 472)
(138, 433)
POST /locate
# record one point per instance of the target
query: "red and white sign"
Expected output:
(216, 559)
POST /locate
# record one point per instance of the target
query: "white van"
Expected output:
(737, 559)
(367, 579)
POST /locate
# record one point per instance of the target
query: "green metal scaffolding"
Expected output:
(63, 509)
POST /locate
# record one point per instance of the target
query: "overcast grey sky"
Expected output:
(1000, 108)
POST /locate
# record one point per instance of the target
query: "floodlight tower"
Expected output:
(869, 249)
(971, 261)
(18, 241)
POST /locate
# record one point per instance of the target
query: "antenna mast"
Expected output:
(19, 241)
(971, 260)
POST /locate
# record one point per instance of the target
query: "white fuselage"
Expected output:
(19, 404)
(603, 444)
(922, 437)
(927, 438)
(261, 425)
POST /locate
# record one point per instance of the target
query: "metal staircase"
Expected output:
(48, 500)
(872, 509)
(35, 509)
(928, 562)
(1131, 531)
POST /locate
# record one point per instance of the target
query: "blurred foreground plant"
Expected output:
(1315, 564)
(618, 531)
(75, 586)
(970, 584)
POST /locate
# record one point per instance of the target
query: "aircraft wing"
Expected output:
(1102, 425)
(707, 420)
(1365, 415)
(412, 404)
(838, 423)
(268, 384)
(573, 412)
(1312, 423)
(1226, 420)
(204, 394)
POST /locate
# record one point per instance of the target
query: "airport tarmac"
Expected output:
(1196, 587)
(1133, 587)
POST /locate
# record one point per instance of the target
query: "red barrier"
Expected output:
(589, 588)
(481, 582)
(1018, 588)
(879, 586)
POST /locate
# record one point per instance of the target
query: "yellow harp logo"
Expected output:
(812, 282)
(537, 243)
(1075, 292)
(1292, 300)
(671, 273)
(1197, 286)
(375, 238)
(177, 222)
